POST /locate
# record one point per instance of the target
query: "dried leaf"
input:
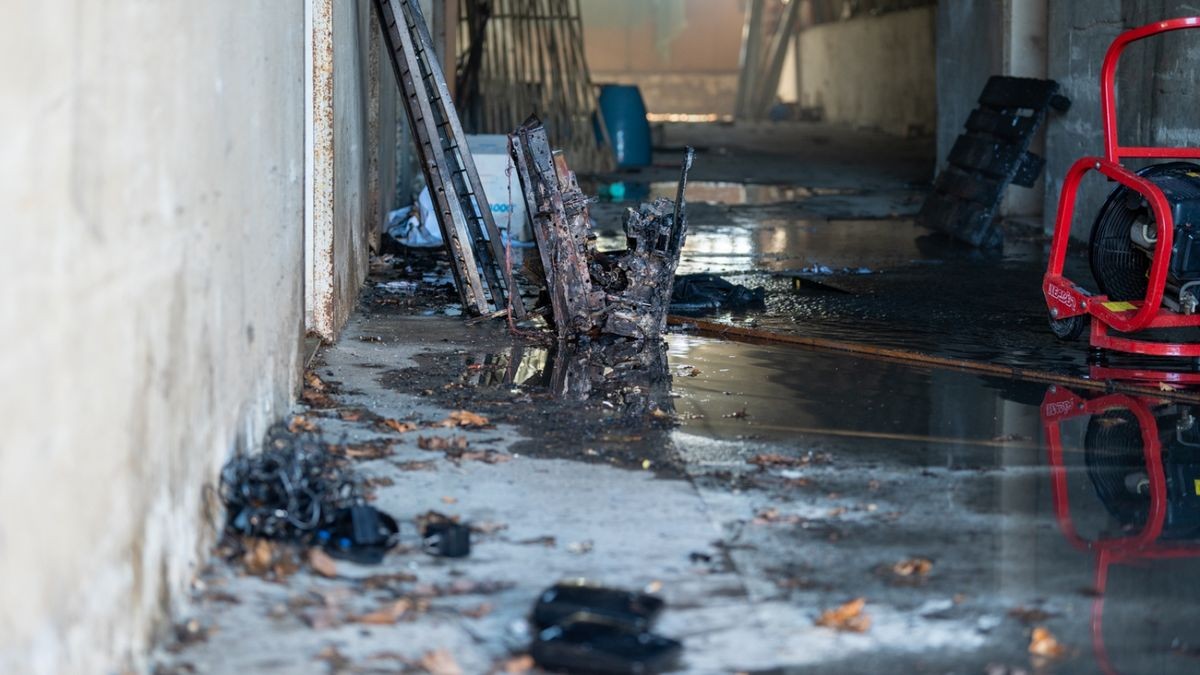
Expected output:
(386, 615)
(464, 418)
(486, 456)
(772, 515)
(442, 443)
(379, 581)
(321, 563)
(440, 662)
(1163, 386)
(301, 423)
(848, 617)
(913, 567)
(370, 450)
(314, 381)
(1043, 643)
(478, 612)
(774, 459)
(351, 415)
(416, 466)
(400, 427)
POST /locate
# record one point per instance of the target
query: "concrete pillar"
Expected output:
(977, 39)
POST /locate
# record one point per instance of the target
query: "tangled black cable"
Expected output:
(289, 491)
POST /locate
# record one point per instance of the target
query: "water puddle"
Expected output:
(1078, 509)
(716, 192)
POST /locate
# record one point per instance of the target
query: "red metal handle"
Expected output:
(1108, 95)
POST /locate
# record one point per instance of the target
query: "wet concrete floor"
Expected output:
(755, 486)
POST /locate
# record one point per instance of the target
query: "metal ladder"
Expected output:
(463, 212)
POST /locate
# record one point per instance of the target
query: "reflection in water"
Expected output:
(1142, 459)
(630, 376)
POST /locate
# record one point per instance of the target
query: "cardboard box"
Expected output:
(498, 176)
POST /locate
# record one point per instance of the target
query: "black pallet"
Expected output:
(993, 152)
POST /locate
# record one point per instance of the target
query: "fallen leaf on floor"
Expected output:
(772, 515)
(423, 465)
(381, 581)
(386, 615)
(517, 665)
(321, 563)
(351, 415)
(436, 443)
(774, 459)
(369, 450)
(378, 481)
(449, 500)
(301, 423)
(400, 427)
(264, 558)
(689, 371)
(1029, 615)
(918, 567)
(485, 456)
(440, 662)
(659, 413)
(463, 418)
(848, 617)
(1043, 643)
(479, 611)
(313, 380)
(315, 392)
(337, 661)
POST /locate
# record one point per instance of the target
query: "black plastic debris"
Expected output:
(447, 539)
(559, 602)
(700, 293)
(585, 628)
(298, 492)
(361, 534)
(992, 152)
(586, 646)
(289, 491)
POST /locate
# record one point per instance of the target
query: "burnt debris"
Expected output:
(589, 292)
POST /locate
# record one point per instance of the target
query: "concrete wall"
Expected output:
(873, 71)
(352, 152)
(683, 54)
(151, 295)
(1158, 89)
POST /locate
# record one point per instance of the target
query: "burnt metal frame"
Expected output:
(463, 213)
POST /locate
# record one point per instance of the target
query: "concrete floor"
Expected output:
(783, 482)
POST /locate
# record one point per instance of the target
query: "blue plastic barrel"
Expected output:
(624, 114)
